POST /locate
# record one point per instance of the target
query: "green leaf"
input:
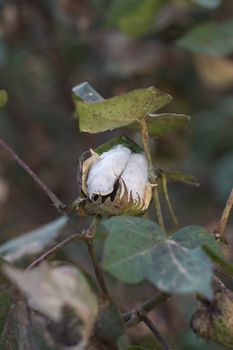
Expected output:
(197, 236)
(128, 246)
(120, 110)
(211, 38)
(121, 140)
(134, 17)
(137, 249)
(176, 269)
(178, 176)
(218, 260)
(210, 4)
(3, 98)
(32, 242)
(161, 124)
(109, 325)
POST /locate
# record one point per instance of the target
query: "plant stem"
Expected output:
(87, 236)
(59, 205)
(53, 250)
(167, 198)
(97, 268)
(84, 235)
(158, 207)
(145, 138)
(220, 229)
(91, 249)
(131, 318)
(155, 331)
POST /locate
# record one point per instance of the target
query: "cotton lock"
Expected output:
(115, 182)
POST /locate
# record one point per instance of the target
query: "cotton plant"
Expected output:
(118, 180)
(114, 182)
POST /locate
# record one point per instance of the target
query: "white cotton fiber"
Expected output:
(135, 175)
(104, 173)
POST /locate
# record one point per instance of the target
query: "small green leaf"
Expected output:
(176, 269)
(129, 245)
(32, 242)
(121, 140)
(218, 259)
(109, 325)
(196, 236)
(178, 176)
(134, 17)
(3, 98)
(211, 38)
(209, 4)
(120, 110)
(161, 124)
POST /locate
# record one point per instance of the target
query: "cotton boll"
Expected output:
(135, 175)
(104, 173)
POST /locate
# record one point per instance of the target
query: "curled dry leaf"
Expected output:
(52, 289)
(214, 319)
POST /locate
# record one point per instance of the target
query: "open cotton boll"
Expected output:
(104, 173)
(135, 175)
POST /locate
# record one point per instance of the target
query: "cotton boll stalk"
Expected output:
(104, 173)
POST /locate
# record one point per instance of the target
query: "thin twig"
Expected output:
(97, 268)
(145, 139)
(155, 331)
(59, 205)
(157, 205)
(91, 249)
(53, 250)
(87, 236)
(220, 229)
(167, 198)
(84, 235)
(131, 318)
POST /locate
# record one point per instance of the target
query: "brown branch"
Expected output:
(59, 205)
(155, 331)
(131, 318)
(87, 236)
(91, 249)
(97, 268)
(77, 236)
(220, 229)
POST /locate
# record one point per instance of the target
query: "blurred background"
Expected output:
(183, 47)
